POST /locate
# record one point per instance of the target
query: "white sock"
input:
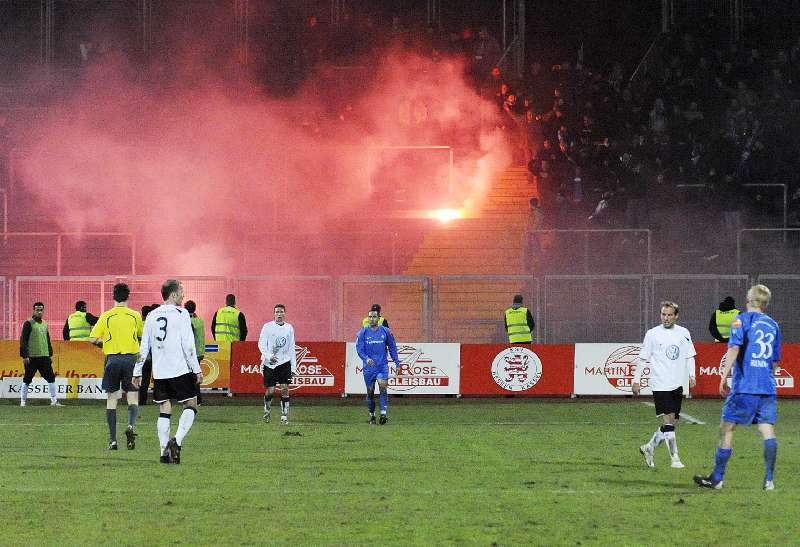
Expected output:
(656, 439)
(163, 425)
(23, 393)
(672, 444)
(185, 424)
(52, 388)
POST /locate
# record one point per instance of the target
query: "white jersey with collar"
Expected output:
(168, 335)
(277, 340)
(668, 354)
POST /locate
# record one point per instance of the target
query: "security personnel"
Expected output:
(519, 322)
(720, 324)
(228, 323)
(381, 320)
(79, 323)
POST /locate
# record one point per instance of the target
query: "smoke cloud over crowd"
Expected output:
(200, 164)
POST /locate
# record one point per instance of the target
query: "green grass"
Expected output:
(505, 472)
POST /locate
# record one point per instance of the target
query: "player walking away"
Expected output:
(118, 332)
(669, 352)
(372, 343)
(278, 361)
(176, 373)
(753, 358)
(36, 351)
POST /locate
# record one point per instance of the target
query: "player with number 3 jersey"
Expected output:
(176, 372)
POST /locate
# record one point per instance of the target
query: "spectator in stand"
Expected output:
(658, 120)
(485, 54)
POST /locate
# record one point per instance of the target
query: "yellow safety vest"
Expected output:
(724, 320)
(227, 326)
(79, 327)
(365, 322)
(518, 329)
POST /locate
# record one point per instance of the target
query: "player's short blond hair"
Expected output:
(670, 304)
(759, 295)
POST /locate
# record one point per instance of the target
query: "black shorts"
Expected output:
(181, 388)
(118, 372)
(42, 365)
(282, 374)
(668, 402)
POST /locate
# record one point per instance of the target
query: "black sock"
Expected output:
(111, 418)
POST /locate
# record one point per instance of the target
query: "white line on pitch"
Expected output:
(689, 418)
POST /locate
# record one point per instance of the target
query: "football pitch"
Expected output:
(485, 471)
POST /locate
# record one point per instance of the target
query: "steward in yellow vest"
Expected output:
(79, 323)
(228, 323)
(519, 323)
(381, 320)
(720, 324)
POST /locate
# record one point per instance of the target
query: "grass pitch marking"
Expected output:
(689, 418)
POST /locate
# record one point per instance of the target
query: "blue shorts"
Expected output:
(375, 372)
(746, 409)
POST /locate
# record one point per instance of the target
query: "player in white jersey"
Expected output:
(176, 373)
(669, 354)
(278, 361)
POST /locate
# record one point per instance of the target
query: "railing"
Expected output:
(602, 256)
(55, 241)
(777, 256)
(449, 308)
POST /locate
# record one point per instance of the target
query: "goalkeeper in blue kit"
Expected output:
(372, 344)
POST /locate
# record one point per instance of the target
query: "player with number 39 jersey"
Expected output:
(760, 339)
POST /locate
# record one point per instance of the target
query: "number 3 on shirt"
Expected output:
(162, 328)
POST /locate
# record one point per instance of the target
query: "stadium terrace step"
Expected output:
(491, 243)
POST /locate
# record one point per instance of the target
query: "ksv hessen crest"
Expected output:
(516, 369)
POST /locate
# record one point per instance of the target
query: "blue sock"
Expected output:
(721, 460)
(384, 402)
(770, 453)
(371, 403)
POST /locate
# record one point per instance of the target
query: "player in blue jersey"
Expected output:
(372, 343)
(753, 357)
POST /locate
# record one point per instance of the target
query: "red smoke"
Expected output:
(200, 167)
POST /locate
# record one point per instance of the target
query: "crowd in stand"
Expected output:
(675, 148)
(685, 147)
(682, 143)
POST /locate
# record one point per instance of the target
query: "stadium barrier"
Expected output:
(333, 368)
(320, 368)
(79, 369)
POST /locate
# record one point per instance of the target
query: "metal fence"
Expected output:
(776, 250)
(592, 251)
(697, 296)
(406, 303)
(785, 303)
(608, 308)
(5, 310)
(466, 308)
(447, 308)
(310, 303)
